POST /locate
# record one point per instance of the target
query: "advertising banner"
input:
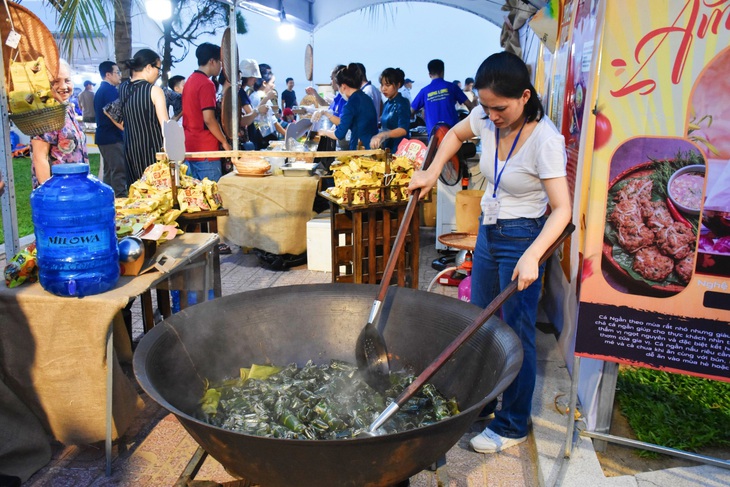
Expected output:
(656, 269)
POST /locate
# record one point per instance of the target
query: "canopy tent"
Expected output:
(311, 15)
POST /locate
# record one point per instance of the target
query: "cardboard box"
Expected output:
(319, 243)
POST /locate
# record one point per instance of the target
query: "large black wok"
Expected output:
(320, 322)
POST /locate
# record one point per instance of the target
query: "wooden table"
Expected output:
(269, 213)
(54, 351)
(201, 221)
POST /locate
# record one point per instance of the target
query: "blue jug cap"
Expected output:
(74, 168)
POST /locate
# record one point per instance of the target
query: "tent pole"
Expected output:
(572, 407)
(235, 109)
(10, 215)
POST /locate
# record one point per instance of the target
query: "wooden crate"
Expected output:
(362, 238)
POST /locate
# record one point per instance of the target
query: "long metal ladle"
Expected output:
(429, 371)
(370, 351)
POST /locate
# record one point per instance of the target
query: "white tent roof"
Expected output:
(311, 15)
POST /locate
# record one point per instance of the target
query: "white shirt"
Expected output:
(376, 96)
(265, 122)
(406, 94)
(521, 193)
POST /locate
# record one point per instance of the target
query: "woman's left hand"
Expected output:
(526, 271)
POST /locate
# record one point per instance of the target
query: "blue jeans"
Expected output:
(498, 249)
(205, 168)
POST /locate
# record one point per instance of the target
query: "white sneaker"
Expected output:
(490, 442)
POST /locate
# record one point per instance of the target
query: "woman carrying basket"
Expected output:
(62, 146)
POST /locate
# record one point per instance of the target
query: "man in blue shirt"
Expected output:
(439, 98)
(108, 133)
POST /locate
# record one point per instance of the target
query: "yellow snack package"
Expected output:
(30, 76)
(212, 196)
(23, 267)
(192, 199)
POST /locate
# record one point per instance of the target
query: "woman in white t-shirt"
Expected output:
(523, 159)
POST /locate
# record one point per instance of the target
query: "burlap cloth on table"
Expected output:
(53, 361)
(24, 447)
(53, 357)
(268, 213)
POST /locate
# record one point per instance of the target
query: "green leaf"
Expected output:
(81, 20)
(674, 410)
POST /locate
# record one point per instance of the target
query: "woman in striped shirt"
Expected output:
(144, 111)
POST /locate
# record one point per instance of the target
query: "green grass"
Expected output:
(21, 173)
(673, 410)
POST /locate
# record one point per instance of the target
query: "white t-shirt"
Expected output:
(265, 122)
(376, 96)
(521, 193)
(406, 94)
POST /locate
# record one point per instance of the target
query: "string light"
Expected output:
(159, 9)
(286, 29)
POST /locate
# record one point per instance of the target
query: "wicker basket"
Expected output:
(251, 165)
(38, 122)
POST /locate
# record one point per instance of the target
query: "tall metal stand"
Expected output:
(235, 109)
(10, 215)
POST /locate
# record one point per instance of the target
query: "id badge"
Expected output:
(491, 211)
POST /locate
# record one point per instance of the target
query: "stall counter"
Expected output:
(269, 213)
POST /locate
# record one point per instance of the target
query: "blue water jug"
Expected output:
(73, 215)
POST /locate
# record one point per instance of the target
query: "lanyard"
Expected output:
(498, 176)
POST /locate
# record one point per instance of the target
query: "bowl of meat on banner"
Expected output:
(649, 244)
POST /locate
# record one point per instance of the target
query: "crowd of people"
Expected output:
(129, 115)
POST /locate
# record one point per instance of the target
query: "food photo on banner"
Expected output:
(656, 269)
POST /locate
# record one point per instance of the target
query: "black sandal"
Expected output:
(224, 249)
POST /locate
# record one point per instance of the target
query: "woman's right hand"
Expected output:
(448, 147)
(423, 180)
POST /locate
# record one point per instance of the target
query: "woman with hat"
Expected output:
(250, 72)
(287, 117)
(263, 98)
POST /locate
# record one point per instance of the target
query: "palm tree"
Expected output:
(86, 20)
(123, 32)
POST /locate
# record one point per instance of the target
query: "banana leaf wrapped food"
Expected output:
(358, 180)
(150, 199)
(316, 402)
